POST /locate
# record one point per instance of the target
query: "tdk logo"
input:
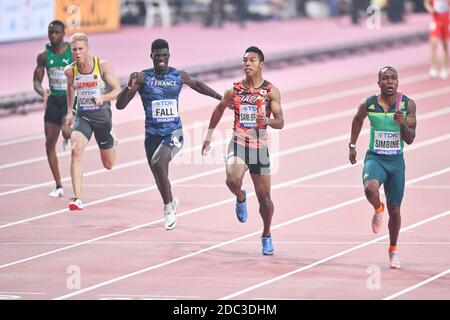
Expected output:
(388, 134)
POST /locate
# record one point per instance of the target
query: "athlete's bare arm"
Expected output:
(38, 75)
(358, 121)
(275, 103)
(199, 86)
(215, 118)
(110, 78)
(428, 6)
(408, 124)
(70, 94)
(135, 82)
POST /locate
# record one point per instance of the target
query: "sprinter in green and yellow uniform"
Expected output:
(55, 58)
(392, 119)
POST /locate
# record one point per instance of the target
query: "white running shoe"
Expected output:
(56, 193)
(171, 215)
(433, 73)
(394, 261)
(443, 74)
(75, 204)
(67, 144)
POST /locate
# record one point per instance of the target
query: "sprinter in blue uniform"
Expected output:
(159, 88)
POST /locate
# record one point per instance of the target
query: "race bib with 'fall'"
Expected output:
(164, 110)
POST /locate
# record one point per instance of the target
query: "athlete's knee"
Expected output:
(265, 201)
(233, 182)
(50, 144)
(394, 211)
(157, 164)
(370, 189)
(108, 164)
(76, 152)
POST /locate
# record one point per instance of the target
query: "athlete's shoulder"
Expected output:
(148, 71)
(405, 98)
(408, 103)
(267, 85)
(42, 57)
(371, 100)
(176, 70)
(239, 84)
(70, 67)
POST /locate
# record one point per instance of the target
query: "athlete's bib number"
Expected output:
(387, 142)
(247, 116)
(164, 110)
(58, 80)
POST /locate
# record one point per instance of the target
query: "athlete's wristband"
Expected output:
(267, 121)
(352, 146)
(128, 87)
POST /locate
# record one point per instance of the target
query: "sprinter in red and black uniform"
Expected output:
(254, 100)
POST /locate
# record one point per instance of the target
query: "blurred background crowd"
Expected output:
(214, 13)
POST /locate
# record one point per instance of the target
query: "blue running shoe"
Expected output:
(267, 246)
(241, 209)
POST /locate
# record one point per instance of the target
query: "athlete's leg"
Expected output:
(444, 68)
(235, 170)
(108, 157)
(445, 47)
(51, 137)
(262, 188)
(395, 222)
(373, 177)
(79, 142)
(106, 143)
(394, 188)
(394, 225)
(433, 62)
(160, 168)
(371, 189)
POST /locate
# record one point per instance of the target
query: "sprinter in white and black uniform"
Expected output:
(159, 88)
(56, 56)
(95, 85)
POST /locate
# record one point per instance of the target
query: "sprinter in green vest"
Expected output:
(392, 117)
(56, 56)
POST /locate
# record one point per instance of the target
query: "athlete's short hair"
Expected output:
(257, 51)
(79, 36)
(160, 44)
(384, 69)
(57, 23)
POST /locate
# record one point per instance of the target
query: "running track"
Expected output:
(321, 228)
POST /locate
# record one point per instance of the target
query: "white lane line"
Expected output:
(24, 293)
(44, 243)
(218, 170)
(147, 296)
(334, 256)
(343, 137)
(286, 106)
(418, 285)
(195, 253)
